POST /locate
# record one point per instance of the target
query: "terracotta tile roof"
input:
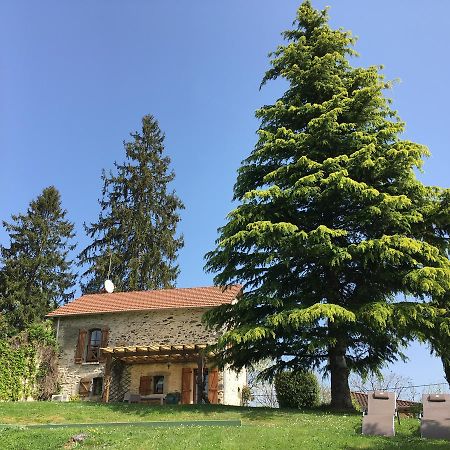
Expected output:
(361, 399)
(199, 297)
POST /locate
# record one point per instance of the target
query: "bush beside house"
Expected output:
(297, 389)
(28, 364)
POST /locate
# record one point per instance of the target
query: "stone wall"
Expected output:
(170, 326)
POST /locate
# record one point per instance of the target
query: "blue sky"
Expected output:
(77, 77)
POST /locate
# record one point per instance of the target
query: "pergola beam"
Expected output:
(154, 348)
(157, 353)
(149, 360)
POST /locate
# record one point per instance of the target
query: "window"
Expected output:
(93, 348)
(158, 384)
(97, 386)
(89, 344)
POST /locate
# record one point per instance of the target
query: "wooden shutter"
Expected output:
(81, 344)
(104, 343)
(186, 386)
(213, 381)
(145, 385)
(85, 387)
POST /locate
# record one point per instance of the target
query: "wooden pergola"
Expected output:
(144, 354)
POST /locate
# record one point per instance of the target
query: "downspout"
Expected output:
(57, 329)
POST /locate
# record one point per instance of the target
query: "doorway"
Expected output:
(205, 386)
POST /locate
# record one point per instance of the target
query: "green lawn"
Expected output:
(261, 428)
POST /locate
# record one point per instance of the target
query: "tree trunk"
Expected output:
(446, 365)
(340, 390)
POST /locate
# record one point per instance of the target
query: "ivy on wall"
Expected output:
(28, 364)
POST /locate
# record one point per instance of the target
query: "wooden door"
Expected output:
(186, 386)
(213, 382)
(145, 385)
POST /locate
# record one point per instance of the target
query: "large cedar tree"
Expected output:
(332, 226)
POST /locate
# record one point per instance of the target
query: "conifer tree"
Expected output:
(134, 241)
(438, 336)
(332, 226)
(36, 274)
(439, 340)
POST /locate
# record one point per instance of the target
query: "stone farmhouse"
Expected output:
(141, 346)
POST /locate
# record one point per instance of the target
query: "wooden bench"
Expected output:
(150, 399)
(153, 399)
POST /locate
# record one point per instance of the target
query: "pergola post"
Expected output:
(107, 378)
(200, 379)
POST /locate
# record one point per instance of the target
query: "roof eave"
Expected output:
(90, 313)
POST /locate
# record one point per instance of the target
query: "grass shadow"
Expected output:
(248, 413)
(166, 411)
(191, 412)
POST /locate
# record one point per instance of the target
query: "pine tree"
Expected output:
(134, 239)
(332, 224)
(36, 274)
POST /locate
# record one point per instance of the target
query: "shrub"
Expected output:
(247, 395)
(356, 406)
(297, 389)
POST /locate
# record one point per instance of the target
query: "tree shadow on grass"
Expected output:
(218, 412)
(258, 413)
(179, 412)
(267, 413)
(198, 412)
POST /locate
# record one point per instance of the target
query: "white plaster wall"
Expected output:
(233, 382)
